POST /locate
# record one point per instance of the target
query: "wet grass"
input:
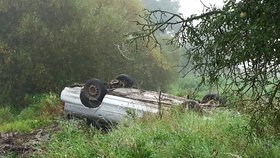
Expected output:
(222, 133)
(41, 111)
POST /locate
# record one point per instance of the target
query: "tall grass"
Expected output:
(190, 86)
(42, 109)
(219, 134)
(6, 115)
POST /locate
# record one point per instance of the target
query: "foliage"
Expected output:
(44, 105)
(46, 45)
(189, 86)
(177, 134)
(161, 77)
(42, 110)
(239, 42)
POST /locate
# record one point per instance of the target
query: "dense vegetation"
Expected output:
(219, 133)
(42, 110)
(46, 45)
(237, 44)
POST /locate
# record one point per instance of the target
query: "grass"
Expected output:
(219, 134)
(189, 86)
(43, 108)
(6, 115)
(24, 125)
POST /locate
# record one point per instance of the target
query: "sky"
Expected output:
(189, 7)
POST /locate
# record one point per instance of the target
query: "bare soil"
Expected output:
(22, 144)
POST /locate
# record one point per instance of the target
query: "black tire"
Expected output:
(125, 80)
(76, 85)
(102, 126)
(84, 99)
(93, 93)
(212, 97)
(93, 123)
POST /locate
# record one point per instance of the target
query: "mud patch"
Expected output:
(22, 144)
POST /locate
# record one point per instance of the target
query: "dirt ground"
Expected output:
(22, 144)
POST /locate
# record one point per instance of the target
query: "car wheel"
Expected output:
(93, 93)
(94, 124)
(125, 80)
(212, 99)
(84, 99)
(91, 122)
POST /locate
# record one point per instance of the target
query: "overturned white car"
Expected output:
(102, 104)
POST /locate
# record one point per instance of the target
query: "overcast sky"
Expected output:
(189, 7)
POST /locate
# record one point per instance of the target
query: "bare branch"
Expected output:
(122, 52)
(204, 5)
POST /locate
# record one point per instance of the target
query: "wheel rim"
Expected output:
(123, 83)
(93, 90)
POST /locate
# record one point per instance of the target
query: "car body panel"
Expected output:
(115, 104)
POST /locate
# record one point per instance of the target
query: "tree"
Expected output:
(47, 45)
(166, 5)
(239, 43)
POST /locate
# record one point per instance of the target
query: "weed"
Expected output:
(6, 115)
(222, 133)
(44, 104)
(39, 113)
(190, 86)
(24, 125)
(9, 155)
